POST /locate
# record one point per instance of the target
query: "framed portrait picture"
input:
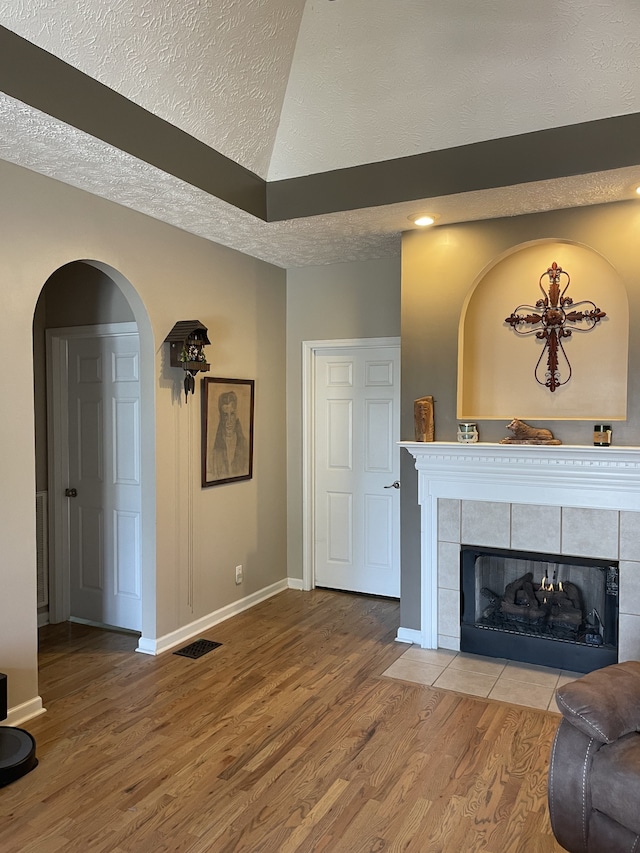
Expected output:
(227, 430)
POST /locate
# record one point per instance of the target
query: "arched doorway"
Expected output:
(90, 295)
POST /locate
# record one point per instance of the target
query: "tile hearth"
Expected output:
(475, 675)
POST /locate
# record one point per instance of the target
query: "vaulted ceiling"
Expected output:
(308, 132)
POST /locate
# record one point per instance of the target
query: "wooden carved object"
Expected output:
(525, 434)
(423, 419)
(548, 319)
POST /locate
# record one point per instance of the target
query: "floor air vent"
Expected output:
(197, 648)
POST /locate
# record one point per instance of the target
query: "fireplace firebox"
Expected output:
(545, 609)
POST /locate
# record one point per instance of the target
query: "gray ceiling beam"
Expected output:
(578, 149)
(37, 78)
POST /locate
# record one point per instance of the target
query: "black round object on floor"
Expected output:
(17, 754)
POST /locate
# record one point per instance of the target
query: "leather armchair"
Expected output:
(594, 777)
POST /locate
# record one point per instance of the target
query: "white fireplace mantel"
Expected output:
(543, 475)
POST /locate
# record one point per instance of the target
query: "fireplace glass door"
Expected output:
(545, 609)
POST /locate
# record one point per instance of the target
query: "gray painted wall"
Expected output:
(337, 301)
(81, 295)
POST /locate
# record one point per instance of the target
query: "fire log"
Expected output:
(519, 601)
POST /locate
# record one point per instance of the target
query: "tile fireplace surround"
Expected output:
(566, 499)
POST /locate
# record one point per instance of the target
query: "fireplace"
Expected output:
(552, 610)
(573, 502)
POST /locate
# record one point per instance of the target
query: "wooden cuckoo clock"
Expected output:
(186, 342)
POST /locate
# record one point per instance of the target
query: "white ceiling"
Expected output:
(288, 88)
(376, 79)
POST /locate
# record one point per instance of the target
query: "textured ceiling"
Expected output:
(59, 151)
(376, 79)
(217, 69)
(288, 88)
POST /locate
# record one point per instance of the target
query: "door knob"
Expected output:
(71, 493)
(394, 485)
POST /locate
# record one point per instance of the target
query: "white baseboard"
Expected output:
(295, 583)
(149, 646)
(409, 635)
(43, 619)
(27, 711)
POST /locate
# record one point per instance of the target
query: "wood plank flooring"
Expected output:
(286, 739)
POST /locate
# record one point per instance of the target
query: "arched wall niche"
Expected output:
(496, 365)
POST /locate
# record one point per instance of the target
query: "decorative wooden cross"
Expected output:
(551, 315)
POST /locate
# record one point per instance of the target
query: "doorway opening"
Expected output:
(82, 300)
(351, 465)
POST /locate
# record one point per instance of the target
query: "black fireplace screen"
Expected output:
(521, 605)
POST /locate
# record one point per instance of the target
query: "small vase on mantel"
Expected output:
(602, 435)
(467, 433)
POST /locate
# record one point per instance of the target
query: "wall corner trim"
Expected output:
(26, 711)
(409, 635)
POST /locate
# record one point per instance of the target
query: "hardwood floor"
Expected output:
(286, 739)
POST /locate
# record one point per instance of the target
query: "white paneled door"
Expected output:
(356, 464)
(104, 492)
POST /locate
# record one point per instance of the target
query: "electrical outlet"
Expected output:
(238, 574)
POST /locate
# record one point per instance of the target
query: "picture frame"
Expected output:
(227, 430)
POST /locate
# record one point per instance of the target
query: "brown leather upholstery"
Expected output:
(594, 777)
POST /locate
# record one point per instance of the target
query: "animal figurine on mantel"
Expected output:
(525, 434)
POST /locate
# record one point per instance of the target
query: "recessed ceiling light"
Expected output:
(638, 190)
(422, 219)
